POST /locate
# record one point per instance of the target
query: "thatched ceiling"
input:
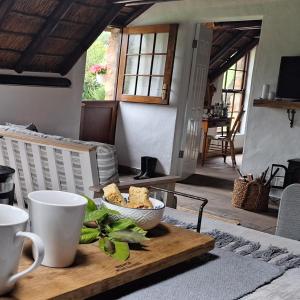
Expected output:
(51, 35)
(231, 41)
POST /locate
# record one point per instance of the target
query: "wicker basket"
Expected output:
(253, 195)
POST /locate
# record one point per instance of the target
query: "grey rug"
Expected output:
(235, 268)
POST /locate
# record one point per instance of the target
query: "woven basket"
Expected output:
(253, 195)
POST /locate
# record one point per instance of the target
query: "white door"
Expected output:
(191, 136)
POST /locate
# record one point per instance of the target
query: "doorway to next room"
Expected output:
(223, 125)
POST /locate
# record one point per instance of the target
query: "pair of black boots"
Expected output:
(148, 165)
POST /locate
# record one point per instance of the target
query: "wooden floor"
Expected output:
(214, 181)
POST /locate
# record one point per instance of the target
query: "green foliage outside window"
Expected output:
(96, 54)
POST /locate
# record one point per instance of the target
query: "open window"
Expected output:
(146, 64)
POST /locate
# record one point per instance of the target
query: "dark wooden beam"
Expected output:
(214, 74)
(35, 80)
(136, 13)
(50, 25)
(5, 7)
(140, 2)
(241, 25)
(97, 29)
(226, 48)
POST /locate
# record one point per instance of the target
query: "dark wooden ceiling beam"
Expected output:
(137, 13)
(254, 24)
(226, 48)
(5, 7)
(139, 2)
(215, 73)
(97, 29)
(42, 35)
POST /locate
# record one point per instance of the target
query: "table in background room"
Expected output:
(212, 122)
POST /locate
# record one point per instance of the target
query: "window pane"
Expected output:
(230, 80)
(224, 98)
(134, 44)
(230, 99)
(129, 85)
(147, 43)
(156, 86)
(131, 65)
(237, 102)
(238, 85)
(241, 63)
(161, 45)
(159, 62)
(142, 86)
(145, 64)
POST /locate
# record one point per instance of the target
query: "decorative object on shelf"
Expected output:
(265, 91)
(271, 95)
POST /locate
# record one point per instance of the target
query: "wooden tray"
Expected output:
(93, 272)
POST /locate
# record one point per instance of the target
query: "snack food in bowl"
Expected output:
(137, 205)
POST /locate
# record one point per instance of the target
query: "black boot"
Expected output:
(143, 167)
(150, 168)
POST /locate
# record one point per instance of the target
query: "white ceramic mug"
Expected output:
(13, 223)
(57, 218)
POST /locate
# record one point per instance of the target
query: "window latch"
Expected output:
(164, 92)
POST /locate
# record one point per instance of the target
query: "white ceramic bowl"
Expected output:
(146, 218)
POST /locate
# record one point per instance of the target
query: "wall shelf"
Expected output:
(284, 104)
(290, 106)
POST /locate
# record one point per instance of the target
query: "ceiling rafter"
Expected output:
(96, 30)
(42, 35)
(137, 13)
(31, 30)
(5, 7)
(140, 2)
(214, 74)
(228, 47)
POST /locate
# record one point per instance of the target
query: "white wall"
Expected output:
(144, 131)
(53, 110)
(268, 136)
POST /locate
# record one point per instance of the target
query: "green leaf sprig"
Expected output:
(114, 236)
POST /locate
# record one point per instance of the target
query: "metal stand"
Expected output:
(203, 200)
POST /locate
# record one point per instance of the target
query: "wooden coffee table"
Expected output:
(93, 272)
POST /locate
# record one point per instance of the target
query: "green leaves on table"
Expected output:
(88, 235)
(116, 249)
(128, 236)
(93, 214)
(113, 234)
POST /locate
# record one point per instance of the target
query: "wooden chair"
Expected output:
(225, 144)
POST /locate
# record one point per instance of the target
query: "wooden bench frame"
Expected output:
(87, 156)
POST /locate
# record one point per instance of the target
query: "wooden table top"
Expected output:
(93, 272)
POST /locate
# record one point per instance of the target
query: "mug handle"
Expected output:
(38, 245)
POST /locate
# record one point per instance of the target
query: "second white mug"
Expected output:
(57, 218)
